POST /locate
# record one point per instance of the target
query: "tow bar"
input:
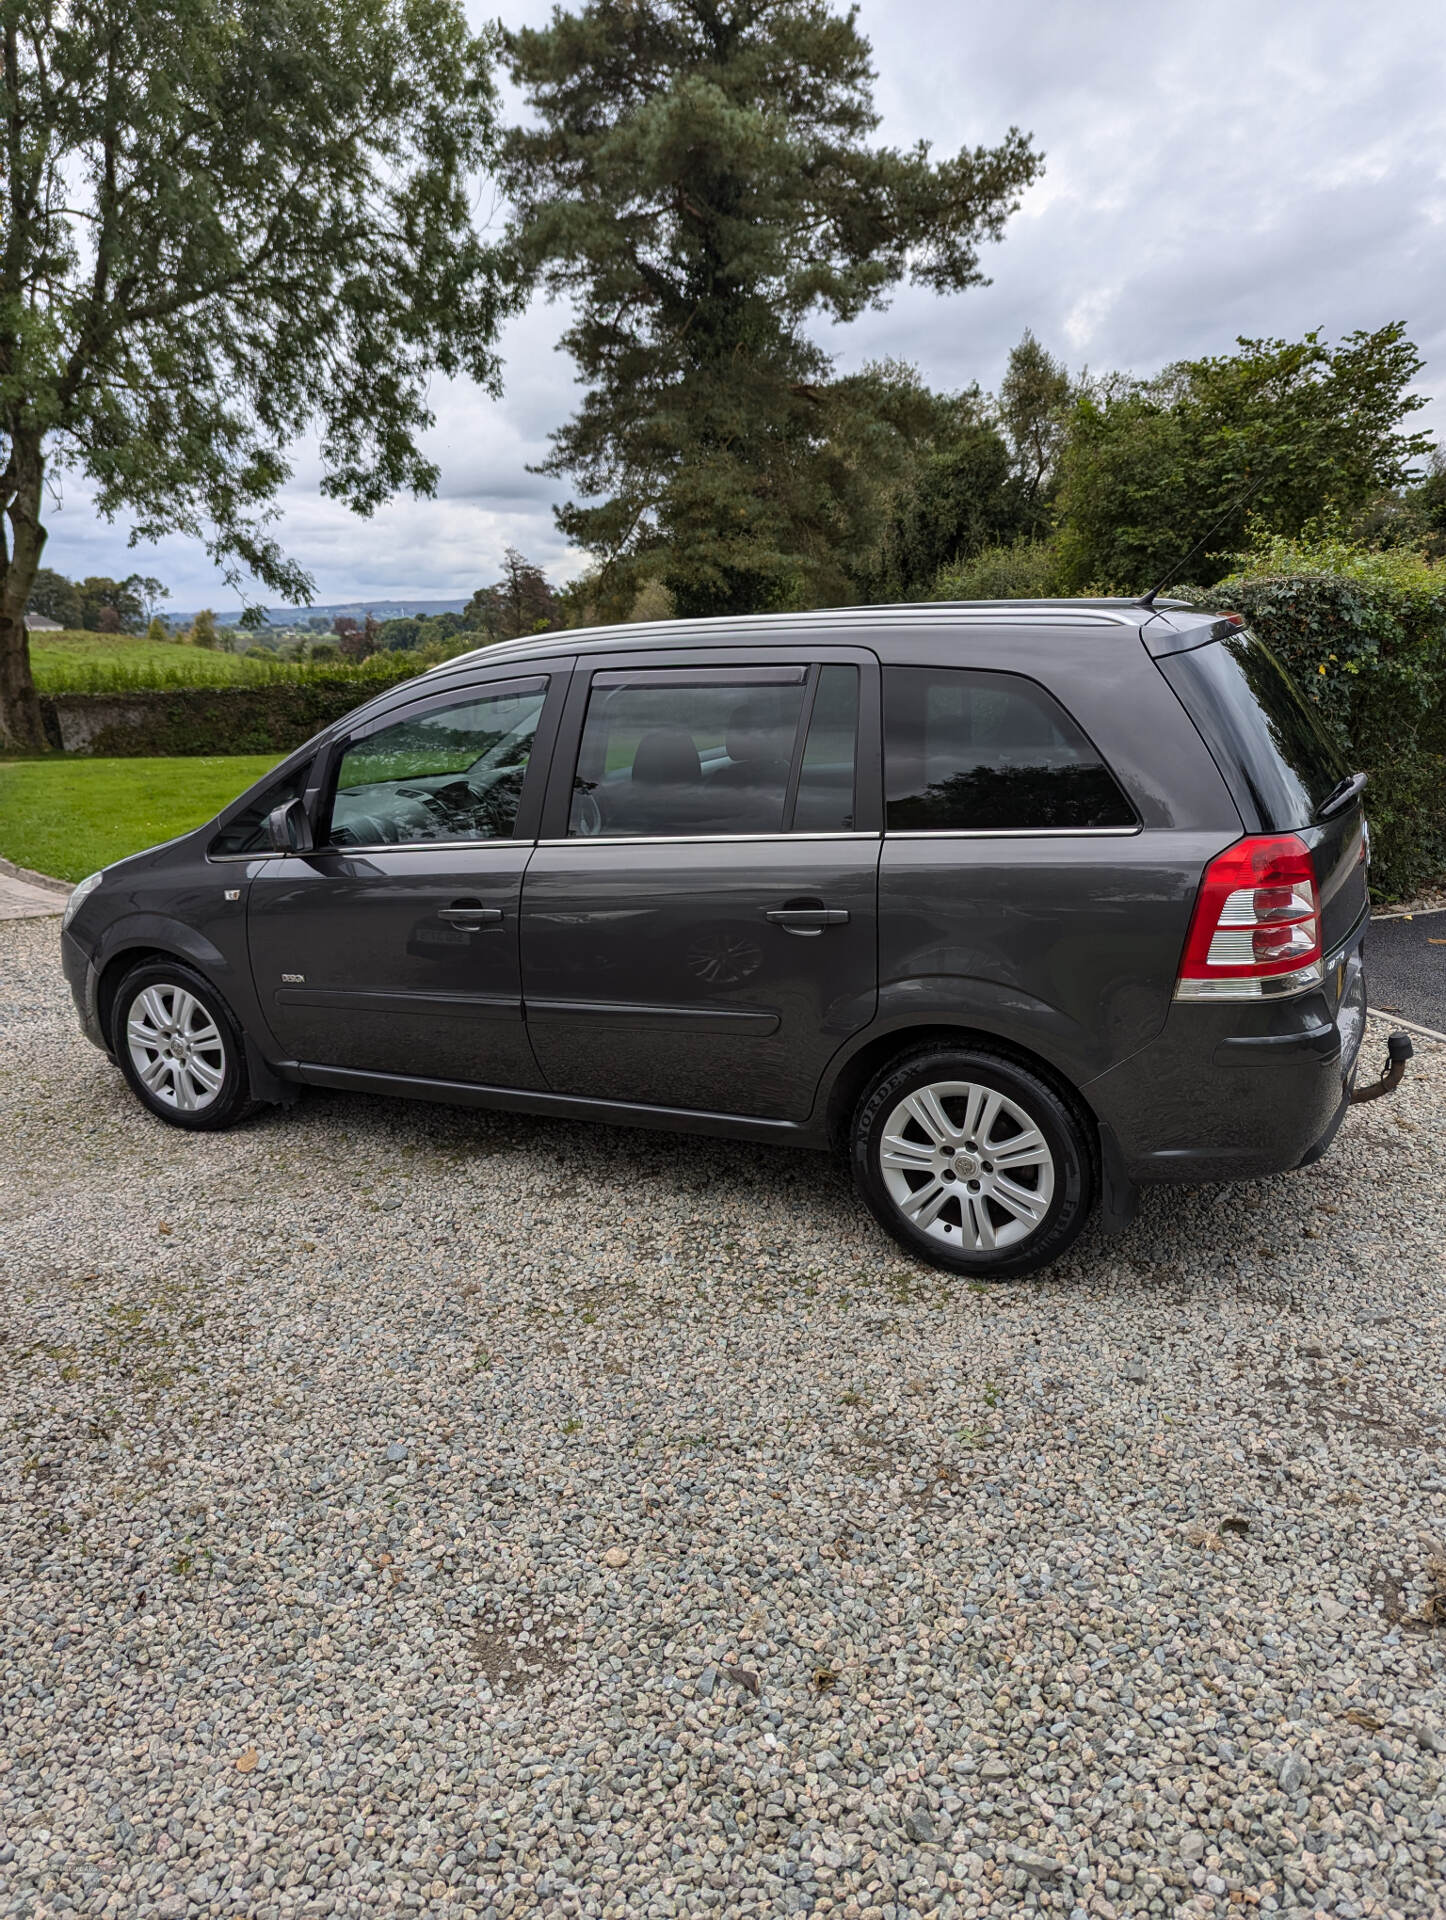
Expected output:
(1398, 1052)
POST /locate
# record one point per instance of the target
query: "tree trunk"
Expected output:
(21, 727)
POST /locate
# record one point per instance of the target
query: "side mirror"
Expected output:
(287, 828)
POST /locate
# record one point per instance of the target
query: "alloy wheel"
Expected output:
(176, 1047)
(967, 1165)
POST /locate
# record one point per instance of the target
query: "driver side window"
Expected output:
(451, 773)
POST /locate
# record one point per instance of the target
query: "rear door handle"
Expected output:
(470, 914)
(807, 920)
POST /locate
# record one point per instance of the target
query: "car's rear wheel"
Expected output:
(180, 1048)
(973, 1162)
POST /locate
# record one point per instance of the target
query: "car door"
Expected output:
(699, 921)
(392, 947)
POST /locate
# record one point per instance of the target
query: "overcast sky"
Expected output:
(1212, 169)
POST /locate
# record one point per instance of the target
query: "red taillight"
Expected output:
(1256, 925)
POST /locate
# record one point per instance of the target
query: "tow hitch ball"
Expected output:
(1398, 1052)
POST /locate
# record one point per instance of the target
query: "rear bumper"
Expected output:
(1243, 1091)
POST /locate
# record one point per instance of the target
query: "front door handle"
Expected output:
(470, 914)
(807, 920)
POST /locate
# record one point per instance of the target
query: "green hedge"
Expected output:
(202, 720)
(1364, 634)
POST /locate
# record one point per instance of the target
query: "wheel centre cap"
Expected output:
(965, 1165)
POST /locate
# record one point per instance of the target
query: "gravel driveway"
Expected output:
(408, 1509)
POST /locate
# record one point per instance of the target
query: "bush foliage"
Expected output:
(1364, 634)
(1027, 570)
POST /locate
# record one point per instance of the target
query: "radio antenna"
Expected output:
(1148, 599)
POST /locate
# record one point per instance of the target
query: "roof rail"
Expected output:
(1063, 613)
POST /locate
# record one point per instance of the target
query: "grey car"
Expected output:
(1020, 905)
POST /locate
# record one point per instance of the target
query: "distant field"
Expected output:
(68, 817)
(71, 662)
(85, 662)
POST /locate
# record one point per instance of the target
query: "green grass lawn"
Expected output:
(74, 662)
(68, 817)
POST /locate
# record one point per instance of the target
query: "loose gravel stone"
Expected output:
(366, 1559)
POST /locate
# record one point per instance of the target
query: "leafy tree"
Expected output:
(438, 628)
(1034, 403)
(652, 601)
(157, 632)
(152, 592)
(1149, 465)
(1026, 570)
(53, 597)
(884, 427)
(353, 640)
(203, 631)
(111, 606)
(97, 604)
(523, 601)
(400, 635)
(965, 496)
(226, 221)
(1427, 503)
(700, 183)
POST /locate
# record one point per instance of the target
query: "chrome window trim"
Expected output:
(383, 846)
(706, 840)
(697, 839)
(1013, 833)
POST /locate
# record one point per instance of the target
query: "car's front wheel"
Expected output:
(180, 1048)
(973, 1162)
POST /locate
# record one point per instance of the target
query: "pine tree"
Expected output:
(700, 183)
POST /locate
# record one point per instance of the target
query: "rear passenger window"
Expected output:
(679, 752)
(989, 753)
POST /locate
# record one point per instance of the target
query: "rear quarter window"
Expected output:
(982, 752)
(1268, 743)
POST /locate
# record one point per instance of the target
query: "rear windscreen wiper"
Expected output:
(1341, 795)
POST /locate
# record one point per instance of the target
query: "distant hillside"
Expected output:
(358, 609)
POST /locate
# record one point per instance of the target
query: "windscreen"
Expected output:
(1271, 748)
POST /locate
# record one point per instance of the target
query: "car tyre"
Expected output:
(973, 1162)
(178, 1045)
